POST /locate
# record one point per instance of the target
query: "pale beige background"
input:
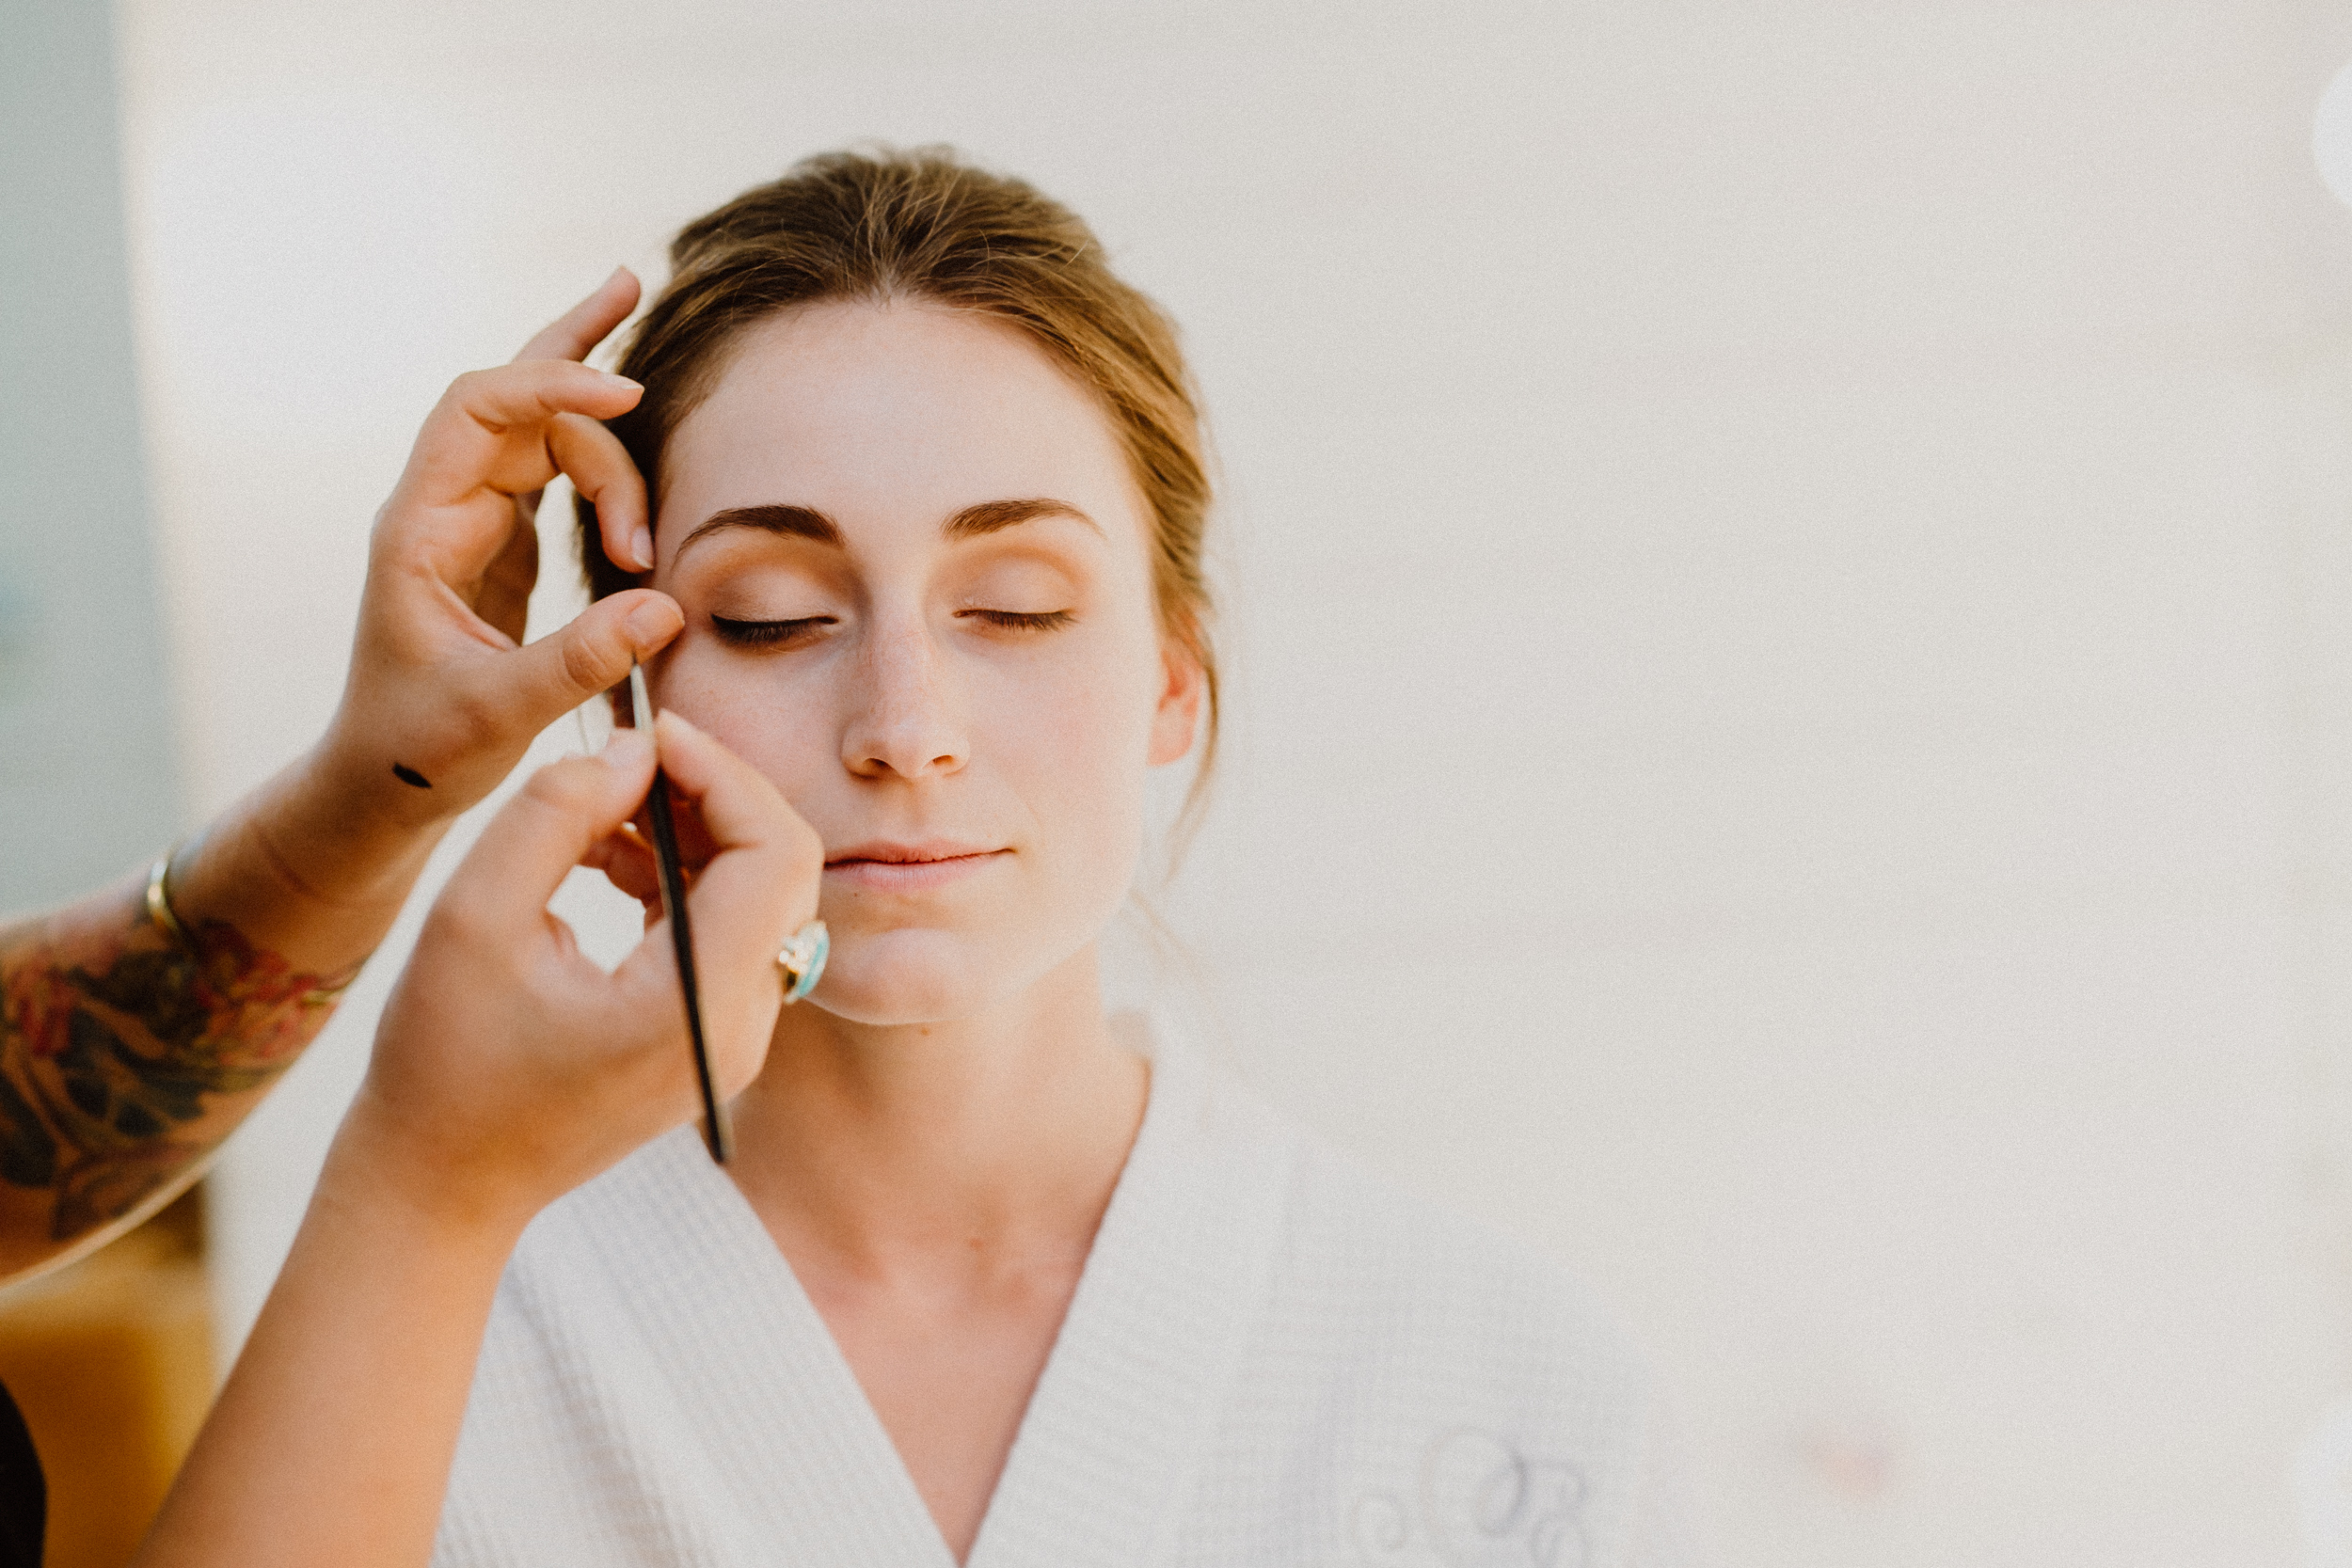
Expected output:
(1791, 609)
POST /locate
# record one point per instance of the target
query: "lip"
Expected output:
(886, 866)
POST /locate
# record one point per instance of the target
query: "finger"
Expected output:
(482, 433)
(500, 889)
(581, 329)
(740, 808)
(695, 846)
(574, 333)
(600, 470)
(627, 864)
(504, 599)
(768, 861)
(541, 681)
(761, 885)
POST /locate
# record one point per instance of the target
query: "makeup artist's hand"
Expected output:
(443, 697)
(509, 1068)
(289, 890)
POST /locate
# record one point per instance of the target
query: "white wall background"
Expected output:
(1792, 620)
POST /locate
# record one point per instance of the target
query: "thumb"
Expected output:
(541, 681)
(504, 882)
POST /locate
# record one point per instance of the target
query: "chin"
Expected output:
(916, 976)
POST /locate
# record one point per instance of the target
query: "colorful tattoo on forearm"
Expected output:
(110, 1059)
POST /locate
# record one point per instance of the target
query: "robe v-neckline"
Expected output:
(1124, 1410)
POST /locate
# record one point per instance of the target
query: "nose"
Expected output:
(907, 719)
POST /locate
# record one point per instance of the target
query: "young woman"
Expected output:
(991, 1278)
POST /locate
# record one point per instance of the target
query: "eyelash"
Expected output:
(769, 634)
(765, 634)
(1015, 619)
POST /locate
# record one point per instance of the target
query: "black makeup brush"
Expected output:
(715, 1130)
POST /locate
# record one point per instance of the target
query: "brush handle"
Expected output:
(716, 1133)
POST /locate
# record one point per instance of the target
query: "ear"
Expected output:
(1184, 687)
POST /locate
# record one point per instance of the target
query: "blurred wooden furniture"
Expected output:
(111, 1362)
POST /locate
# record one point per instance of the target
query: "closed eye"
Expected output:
(1016, 620)
(767, 634)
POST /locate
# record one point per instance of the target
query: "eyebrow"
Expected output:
(799, 522)
(988, 517)
(806, 522)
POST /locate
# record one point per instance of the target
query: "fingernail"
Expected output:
(623, 381)
(650, 623)
(626, 749)
(640, 546)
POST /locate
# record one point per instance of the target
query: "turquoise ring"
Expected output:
(802, 960)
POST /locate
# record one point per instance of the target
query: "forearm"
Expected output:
(313, 866)
(126, 1056)
(332, 1441)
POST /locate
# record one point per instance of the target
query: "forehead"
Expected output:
(902, 409)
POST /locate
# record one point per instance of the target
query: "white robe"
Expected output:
(1272, 1357)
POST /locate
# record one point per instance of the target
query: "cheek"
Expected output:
(1086, 709)
(779, 724)
(1073, 742)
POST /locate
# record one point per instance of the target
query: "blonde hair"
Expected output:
(923, 224)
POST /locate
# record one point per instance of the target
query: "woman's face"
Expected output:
(916, 579)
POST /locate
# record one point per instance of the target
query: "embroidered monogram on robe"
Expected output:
(1272, 1357)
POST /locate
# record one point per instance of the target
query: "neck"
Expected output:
(898, 1147)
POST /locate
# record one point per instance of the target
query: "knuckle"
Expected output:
(478, 717)
(588, 664)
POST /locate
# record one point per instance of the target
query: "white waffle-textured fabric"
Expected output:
(1272, 1357)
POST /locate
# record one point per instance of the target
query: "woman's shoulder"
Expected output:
(1353, 1246)
(1412, 1265)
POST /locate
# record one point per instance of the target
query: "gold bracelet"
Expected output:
(159, 901)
